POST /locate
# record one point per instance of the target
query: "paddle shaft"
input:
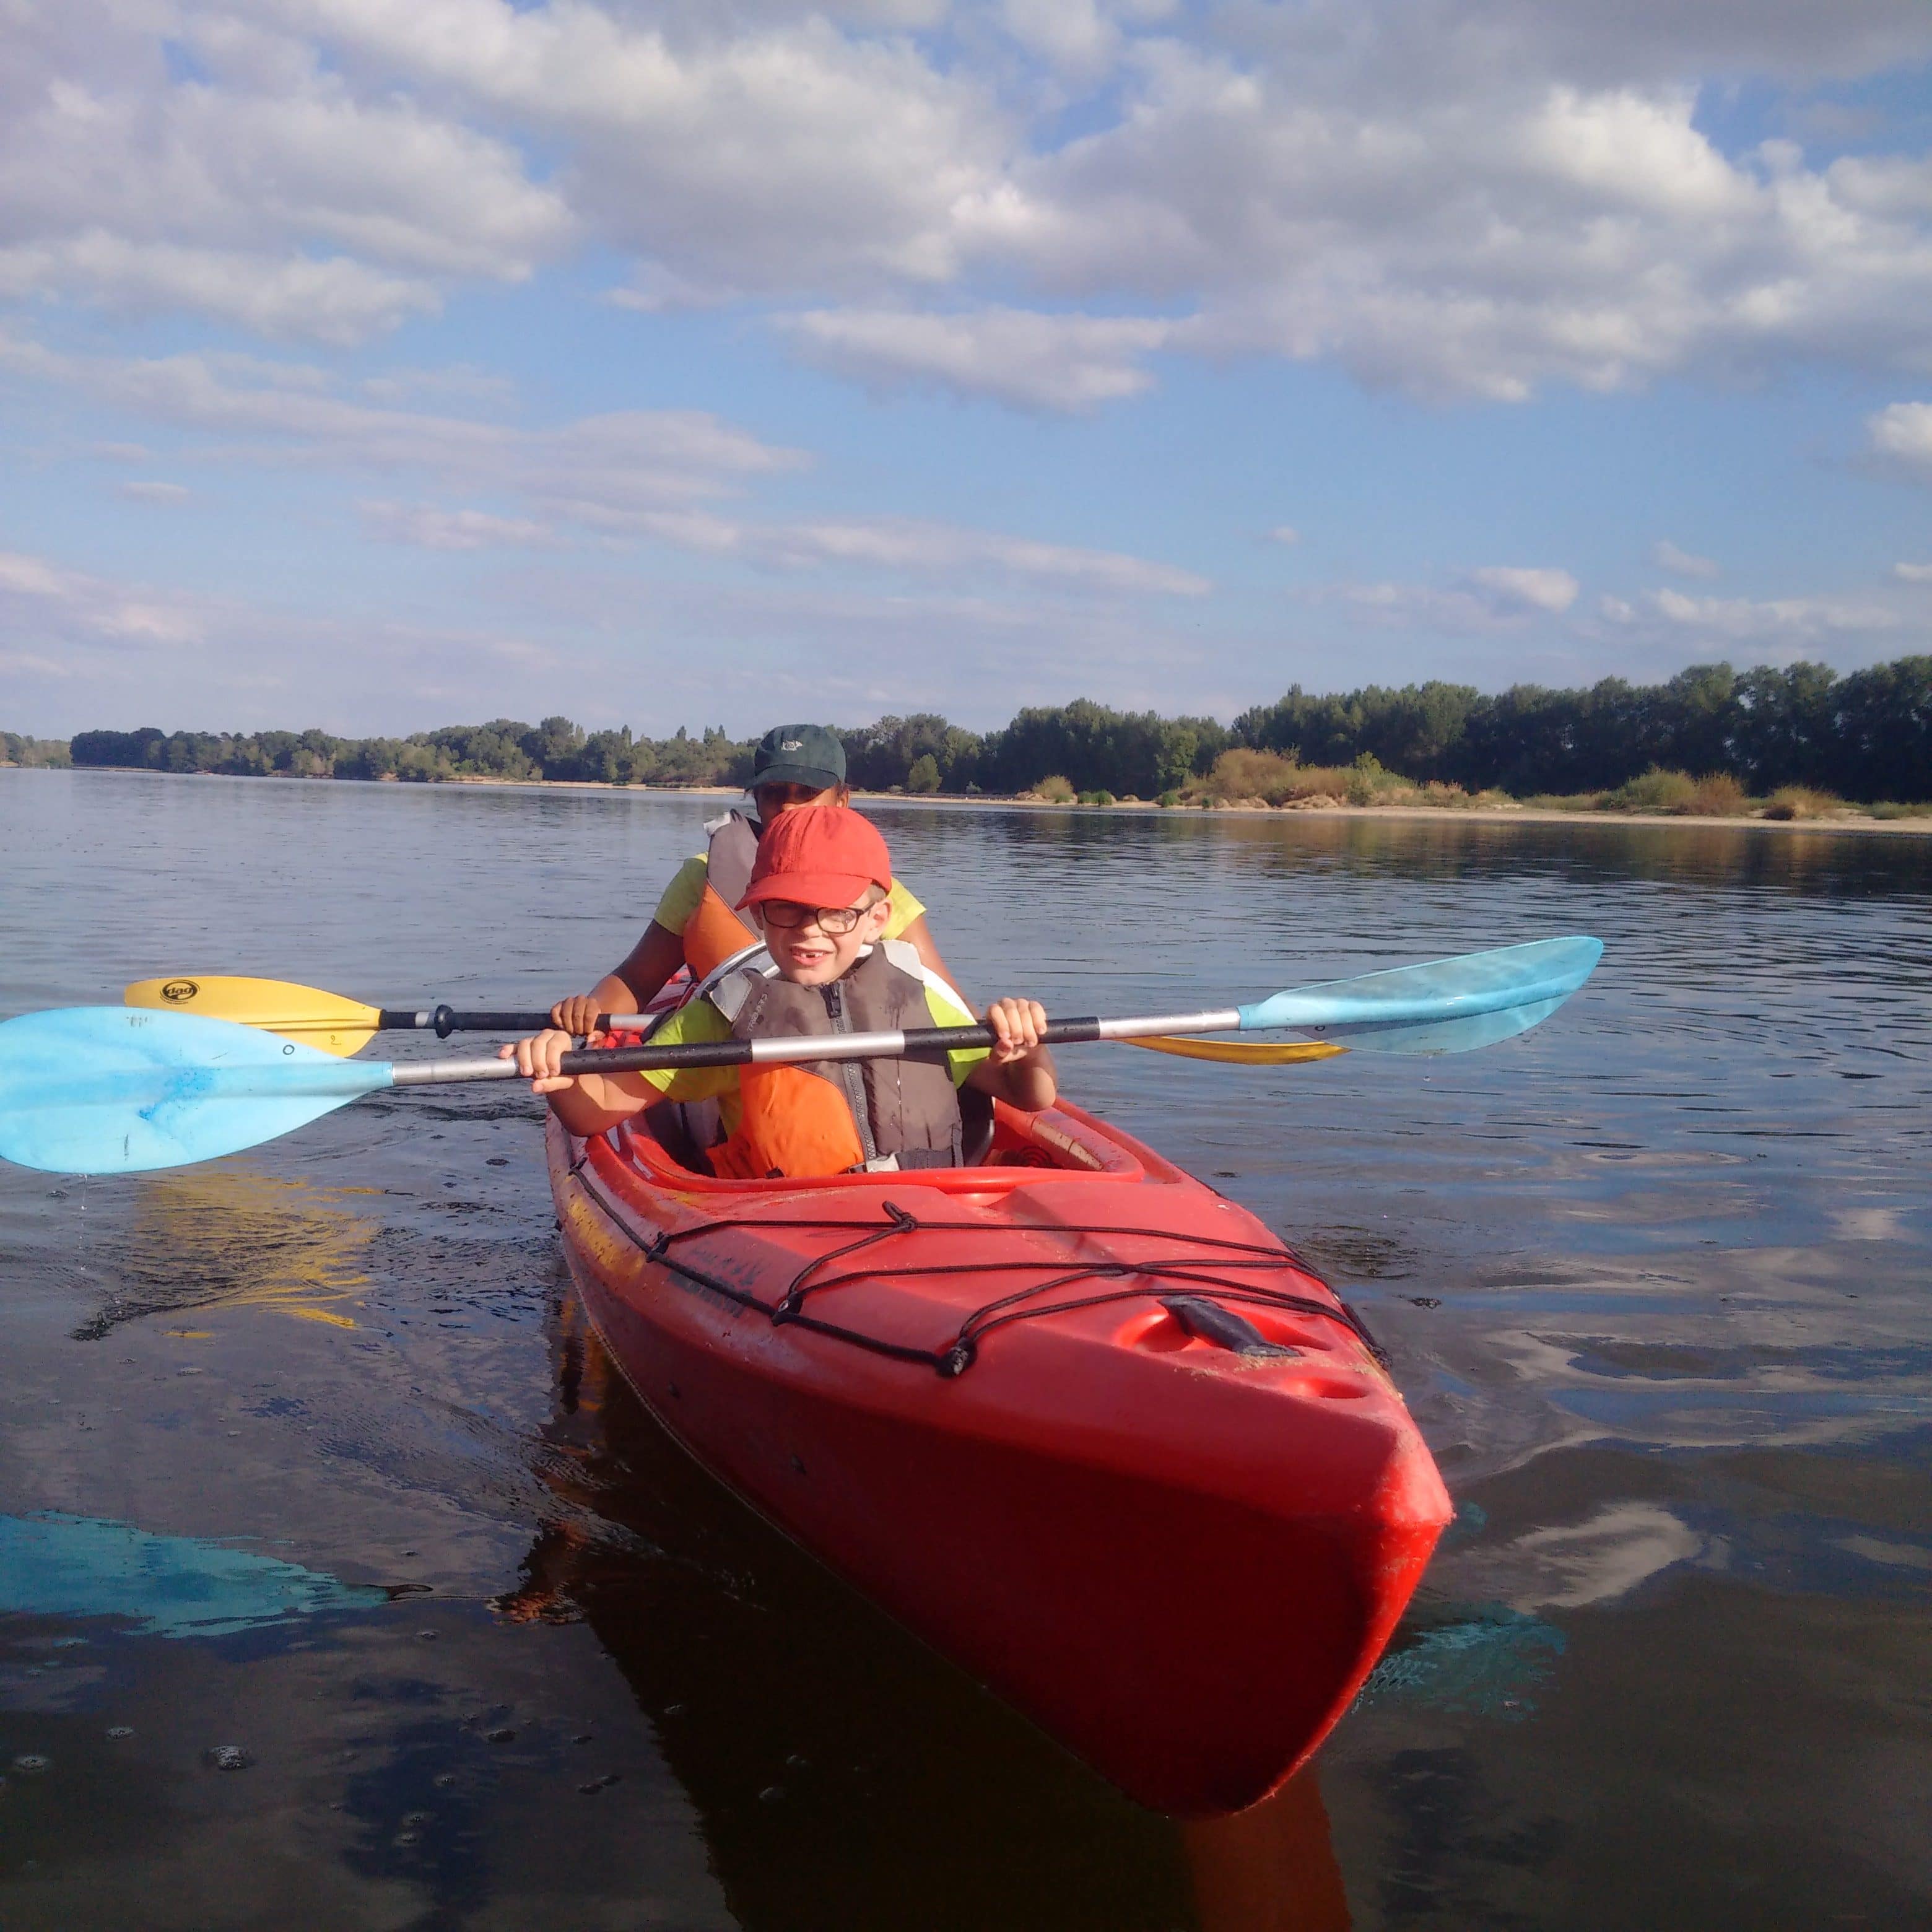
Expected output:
(444, 1021)
(916, 1043)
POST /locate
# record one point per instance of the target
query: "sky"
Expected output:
(377, 364)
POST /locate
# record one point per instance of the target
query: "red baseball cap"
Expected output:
(819, 855)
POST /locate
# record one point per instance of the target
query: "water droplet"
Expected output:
(228, 1757)
(772, 1794)
(428, 1635)
(120, 1730)
(31, 1762)
(503, 1735)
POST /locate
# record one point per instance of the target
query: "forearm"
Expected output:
(595, 1102)
(648, 965)
(1029, 1084)
(614, 994)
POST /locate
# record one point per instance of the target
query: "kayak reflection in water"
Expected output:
(842, 1772)
(697, 924)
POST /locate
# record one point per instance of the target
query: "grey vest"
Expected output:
(907, 1111)
(731, 852)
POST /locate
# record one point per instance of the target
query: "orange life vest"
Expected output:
(717, 930)
(817, 1117)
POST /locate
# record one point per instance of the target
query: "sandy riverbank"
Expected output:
(1520, 814)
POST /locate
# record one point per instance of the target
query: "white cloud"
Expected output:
(1902, 435)
(265, 191)
(758, 155)
(1787, 621)
(898, 544)
(1475, 200)
(1913, 573)
(603, 467)
(1667, 555)
(338, 301)
(154, 493)
(655, 475)
(1032, 361)
(430, 527)
(1286, 534)
(1073, 36)
(1459, 235)
(1535, 589)
(42, 603)
(1497, 597)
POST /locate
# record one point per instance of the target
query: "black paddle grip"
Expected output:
(447, 1021)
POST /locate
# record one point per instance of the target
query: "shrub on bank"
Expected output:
(1265, 778)
(1653, 790)
(1790, 801)
(1718, 795)
(1051, 790)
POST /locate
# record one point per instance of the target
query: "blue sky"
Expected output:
(379, 364)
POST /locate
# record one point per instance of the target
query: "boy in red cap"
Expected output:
(819, 892)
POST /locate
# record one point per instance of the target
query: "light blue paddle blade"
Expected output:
(1447, 1005)
(116, 1089)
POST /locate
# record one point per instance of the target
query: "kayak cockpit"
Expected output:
(664, 1146)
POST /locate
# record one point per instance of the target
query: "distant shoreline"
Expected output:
(1521, 814)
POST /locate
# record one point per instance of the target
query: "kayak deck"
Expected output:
(1086, 1426)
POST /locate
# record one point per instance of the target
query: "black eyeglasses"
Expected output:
(834, 920)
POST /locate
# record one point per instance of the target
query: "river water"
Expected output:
(1654, 1277)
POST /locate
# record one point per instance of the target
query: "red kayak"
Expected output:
(1085, 1426)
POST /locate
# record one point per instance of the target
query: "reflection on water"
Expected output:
(1485, 1660)
(175, 1586)
(222, 1236)
(1653, 1278)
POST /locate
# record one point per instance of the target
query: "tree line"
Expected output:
(16, 750)
(1866, 736)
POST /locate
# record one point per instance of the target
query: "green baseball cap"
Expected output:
(802, 754)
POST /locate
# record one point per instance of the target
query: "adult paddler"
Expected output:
(695, 924)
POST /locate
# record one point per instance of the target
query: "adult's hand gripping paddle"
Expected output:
(117, 1090)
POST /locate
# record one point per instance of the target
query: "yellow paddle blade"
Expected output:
(1245, 1052)
(325, 1021)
